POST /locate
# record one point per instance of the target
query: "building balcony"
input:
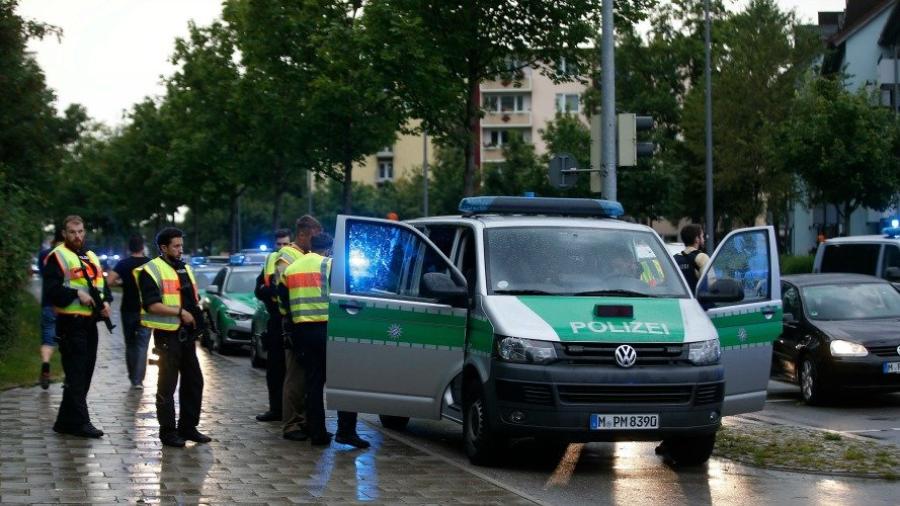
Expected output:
(886, 71)
(491, 154)
(506, 119)
(498, 85)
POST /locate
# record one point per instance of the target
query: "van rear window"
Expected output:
(851, 258)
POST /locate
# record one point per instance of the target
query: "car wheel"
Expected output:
(810, 383)
(482, 444)
(393, 422)
(207, 340)
(689, 451)
(255, 360)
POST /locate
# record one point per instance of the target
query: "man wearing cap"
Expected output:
(304, 289)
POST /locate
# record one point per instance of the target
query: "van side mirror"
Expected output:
(892, 274)
(440, 286)
(723, 290)
(212, 289)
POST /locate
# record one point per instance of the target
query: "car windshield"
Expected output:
(579, 261)
(241, 282)
(851, 302)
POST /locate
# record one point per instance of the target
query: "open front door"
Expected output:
(393, 346)
(746, 328)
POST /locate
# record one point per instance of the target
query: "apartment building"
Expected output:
(524, 107)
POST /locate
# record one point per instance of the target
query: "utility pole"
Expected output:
(424, 174)
(710, 223)
(608, 104)
(309, 192)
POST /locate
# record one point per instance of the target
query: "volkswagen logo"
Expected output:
(625, 356)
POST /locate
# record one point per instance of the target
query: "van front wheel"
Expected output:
(689, 451)
(393, 422)
(482, 444)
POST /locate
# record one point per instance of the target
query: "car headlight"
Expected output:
(238, 317)
(840, 348)
(525, 351)
(704, 352)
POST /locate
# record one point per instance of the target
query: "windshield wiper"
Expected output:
(621, 293)
(522, 292)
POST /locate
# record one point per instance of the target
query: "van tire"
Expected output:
(394, 422)
(689, 451)
(482, 444)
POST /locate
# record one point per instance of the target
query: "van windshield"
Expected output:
(579, 261)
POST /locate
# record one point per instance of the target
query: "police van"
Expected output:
(548, 318)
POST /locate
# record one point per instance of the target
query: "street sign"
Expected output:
(563, 169)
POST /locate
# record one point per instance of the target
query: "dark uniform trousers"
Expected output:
(274, 343)
(78, 353)
(313, 340)
(177, 358)
(294, 415)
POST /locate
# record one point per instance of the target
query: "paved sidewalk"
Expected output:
(247, 462)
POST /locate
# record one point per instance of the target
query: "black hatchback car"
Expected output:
(841, 334)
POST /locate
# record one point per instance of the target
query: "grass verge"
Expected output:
(20, 360)
(802, 449)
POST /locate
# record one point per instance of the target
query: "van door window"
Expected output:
(388, 261)
(745, 259)
(851, 258)
(442, 236)
(466, 258)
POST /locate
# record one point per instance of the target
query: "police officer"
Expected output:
(305, 288)
(169, 307)
(69, 273)
(293, 398)
(272, 339)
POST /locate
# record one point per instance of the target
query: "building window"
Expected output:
(385, 170)
(565, 68)
(496, 138)
(567, 102)
(505, 103)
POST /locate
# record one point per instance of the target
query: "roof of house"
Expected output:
(859, 13)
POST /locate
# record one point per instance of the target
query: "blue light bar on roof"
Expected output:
(237, 259)
(542, 205)
(891, 231)
(198, 260)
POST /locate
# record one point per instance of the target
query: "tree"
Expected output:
(762, 53)
(845, 149)
(451, 46)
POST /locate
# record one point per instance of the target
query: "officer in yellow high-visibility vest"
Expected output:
(69, 272)
(293, 399)
(169, 304)
(271, 339)
(304, 290)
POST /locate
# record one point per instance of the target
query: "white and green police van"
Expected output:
(548, 318)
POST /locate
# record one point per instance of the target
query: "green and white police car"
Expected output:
(228, 305)
(549, 318)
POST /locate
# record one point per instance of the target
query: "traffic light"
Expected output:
(629, 124)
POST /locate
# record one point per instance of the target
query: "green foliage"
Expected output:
(796, 264)
(834, 135)
(445, 49)
(19, 358)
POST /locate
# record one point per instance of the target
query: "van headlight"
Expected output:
(841, 348)
(525, 351)
(704, 352)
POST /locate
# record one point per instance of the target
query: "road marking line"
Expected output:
(404, 440)
(563, 472)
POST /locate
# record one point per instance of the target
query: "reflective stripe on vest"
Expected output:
(289, 254)
(74, 274)
(307, 281)
(166, 279)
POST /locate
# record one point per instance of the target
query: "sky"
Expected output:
(113, 52)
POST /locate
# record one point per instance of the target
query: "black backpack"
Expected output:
(687, 262)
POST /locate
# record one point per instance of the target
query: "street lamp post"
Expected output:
(710, 223)
(608, 104)
(424, 174)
